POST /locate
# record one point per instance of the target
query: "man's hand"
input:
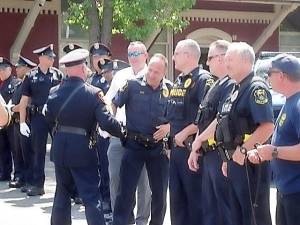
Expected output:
(193, 161)
(253, 156)
(265, 152)
(224, 169)
(103, 133)
(24, 129)
(238, 157)
(162, 131)
(196, 144)
(180, 138)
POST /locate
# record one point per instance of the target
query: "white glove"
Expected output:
(24, 129)
(103, 133)
(44, 110)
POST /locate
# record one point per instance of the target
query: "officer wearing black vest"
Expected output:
(36, 86)
(8, 86)
(186, 95)
(245, 119)
(216, 208)
(72, 151)
(22, 143)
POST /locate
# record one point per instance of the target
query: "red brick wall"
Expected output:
(44, 32)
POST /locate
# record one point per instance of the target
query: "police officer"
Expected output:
(216, 209)
(283, 152)
(22, 143)
(186, 95)
(99, 53)
(74, 158)
(144, 97)
(245, 118)
(36, 86)
(68, 48)
(7, 88)
(137, 56)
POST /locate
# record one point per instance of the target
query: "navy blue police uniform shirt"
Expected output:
(83, 110)
(255, 103)
(185, 97)
(99, 81)
(287, 133)
(37, 84)
(145, 107)
(8, 87)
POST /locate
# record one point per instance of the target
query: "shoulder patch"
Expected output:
(260, 96)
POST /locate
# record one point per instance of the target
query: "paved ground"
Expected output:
(18, 209)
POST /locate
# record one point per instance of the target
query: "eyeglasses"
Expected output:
(135, 54)
(270, 72)
(209, 58)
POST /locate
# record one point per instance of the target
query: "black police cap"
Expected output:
(70, 47)
(4, 62)
(99, 49)
(112, 65)
(47, 50)
(22, 61)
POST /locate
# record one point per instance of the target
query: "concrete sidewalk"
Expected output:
(18, 209)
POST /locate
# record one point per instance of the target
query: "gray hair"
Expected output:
(244, 50)
(138, 43)
(221, 45)
(191, 47)
(161, 57)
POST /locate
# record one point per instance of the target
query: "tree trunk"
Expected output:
(94, 31)
(107, 21)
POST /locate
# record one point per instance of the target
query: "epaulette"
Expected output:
(56, 73)
(16, 82)
(32, 72)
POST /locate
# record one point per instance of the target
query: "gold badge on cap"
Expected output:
(96, 46)
(165, 93)
(260, 96)
(187, 83)
(71, 46)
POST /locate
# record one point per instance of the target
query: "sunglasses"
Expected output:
(209, 58)
(135, 54)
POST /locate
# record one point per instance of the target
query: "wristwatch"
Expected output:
(275, 152)
(243, 150)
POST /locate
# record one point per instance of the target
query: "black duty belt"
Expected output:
(208, 146)
(146, 140)
(34, 109)
(71, 130)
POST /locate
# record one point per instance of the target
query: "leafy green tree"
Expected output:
(135, 19)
